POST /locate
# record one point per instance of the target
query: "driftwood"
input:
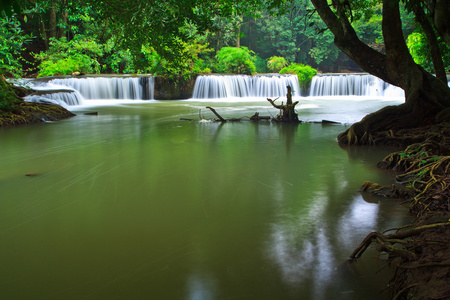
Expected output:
(217, 114)
(257, 117)
(287, 111)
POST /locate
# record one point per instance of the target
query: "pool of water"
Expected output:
(134, 203)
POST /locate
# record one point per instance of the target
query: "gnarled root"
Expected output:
(386, 243)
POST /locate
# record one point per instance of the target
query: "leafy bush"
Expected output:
(11, 45)
(183, 68)
(116, 60)
(260, 64)
(276, 63)
(420, 51)
(66, 66)
(7, 96)
(235, 60)
(64, 58)
(304, 72)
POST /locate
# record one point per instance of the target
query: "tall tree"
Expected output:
(426, 95)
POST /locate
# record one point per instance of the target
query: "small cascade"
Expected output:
(140, 88)
(358, 84)
(228, 86)
(63, 98)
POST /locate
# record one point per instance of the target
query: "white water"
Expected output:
(82, 91)
(97, 90)
(110, 87)
(64, 98)
(352, 85)
(229, 86)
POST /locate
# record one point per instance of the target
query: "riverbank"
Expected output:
(15, 111)
(24, 113)
(420, 250)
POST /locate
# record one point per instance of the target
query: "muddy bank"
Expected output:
(420, 250)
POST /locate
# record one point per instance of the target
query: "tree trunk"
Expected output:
(425, 95)
(440, 10)
(64, 17)
(44, 32)
(52, 20)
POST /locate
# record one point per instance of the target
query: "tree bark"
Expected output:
(52, 20)
(64, 18)
(44, 32)
(440, 10)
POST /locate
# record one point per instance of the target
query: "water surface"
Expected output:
(136, 204)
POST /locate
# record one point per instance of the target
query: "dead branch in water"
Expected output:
(217, 114)
(287, 111)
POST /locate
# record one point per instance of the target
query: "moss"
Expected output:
(22, 113)
(15, 111)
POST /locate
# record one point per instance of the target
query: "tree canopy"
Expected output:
(390, 39)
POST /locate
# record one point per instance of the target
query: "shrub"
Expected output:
(260, 64)
(11, 45)
(420, 51)
(64, 58)
(235, 60)
(7, 96)
(276, 63)
(304, 72)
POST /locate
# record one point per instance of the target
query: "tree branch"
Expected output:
(346, 39)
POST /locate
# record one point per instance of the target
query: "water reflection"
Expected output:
(200, 286)
(134, 203)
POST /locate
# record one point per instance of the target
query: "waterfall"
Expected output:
(227, 86)
(352, 85)
(140, 88)
(63, 98)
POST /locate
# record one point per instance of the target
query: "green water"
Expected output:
(136, 204)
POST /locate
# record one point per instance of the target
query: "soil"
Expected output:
(421, 250)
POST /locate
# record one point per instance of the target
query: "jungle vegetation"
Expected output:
(402, 42)
(49, 37)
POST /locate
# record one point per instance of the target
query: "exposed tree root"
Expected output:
(420, 249)
(386, 242)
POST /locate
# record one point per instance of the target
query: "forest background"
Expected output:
(49, 37)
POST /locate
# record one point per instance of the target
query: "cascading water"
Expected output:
(74, 91)
(352, 85)
(140, 88)
(227, 86)
(64, 98)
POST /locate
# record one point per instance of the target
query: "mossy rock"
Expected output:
(31, 113)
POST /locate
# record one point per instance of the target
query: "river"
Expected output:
(134, 203)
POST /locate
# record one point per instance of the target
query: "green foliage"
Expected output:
(260, 64)
(420, 51)
(7, 96)
(64, 58)
(235, 60)
(152, 62)
(276, 63)
(12, 41)
(304, 72)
